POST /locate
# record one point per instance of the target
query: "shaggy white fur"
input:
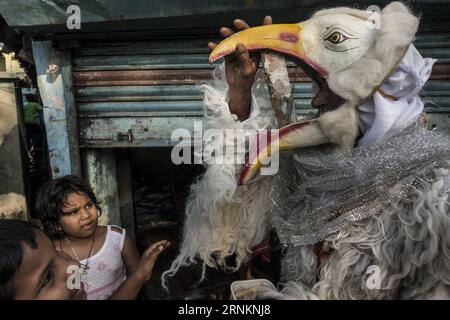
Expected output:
(409, 243)
(223, 218)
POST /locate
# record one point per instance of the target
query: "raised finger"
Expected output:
(226, 32)
(152, 255)
(267, 20)
(160, 247)
(240, 24)
(244, 59)
(212, 45)
(157, 247)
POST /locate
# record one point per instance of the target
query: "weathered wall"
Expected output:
(54, 82)
(12, 188)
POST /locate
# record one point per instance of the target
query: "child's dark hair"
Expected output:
(31, 97)
(13, 235)
(51, 198)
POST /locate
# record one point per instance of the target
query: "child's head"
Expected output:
(30, 267)
(68, 206)
(31, 97)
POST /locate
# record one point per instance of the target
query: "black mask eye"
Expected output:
(336, 37)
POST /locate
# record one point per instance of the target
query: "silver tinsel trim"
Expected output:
(318, 192)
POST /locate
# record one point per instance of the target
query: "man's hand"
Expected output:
(240, 71)
(148, 259)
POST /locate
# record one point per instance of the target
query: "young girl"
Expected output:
(110, 263)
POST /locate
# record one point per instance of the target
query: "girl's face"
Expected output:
(79, 216)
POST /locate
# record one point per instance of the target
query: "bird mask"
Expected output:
(348, 53)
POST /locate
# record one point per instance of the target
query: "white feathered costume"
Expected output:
(374, 197)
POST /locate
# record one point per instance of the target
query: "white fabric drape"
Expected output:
(380, 117)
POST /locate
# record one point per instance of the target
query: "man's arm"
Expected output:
(240, 69)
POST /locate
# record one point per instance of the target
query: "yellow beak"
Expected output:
(284, 38)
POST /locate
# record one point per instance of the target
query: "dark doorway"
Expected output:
(160, 189)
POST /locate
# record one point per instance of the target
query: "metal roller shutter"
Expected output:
(135, 93)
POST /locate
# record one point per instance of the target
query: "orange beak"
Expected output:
(284, 38)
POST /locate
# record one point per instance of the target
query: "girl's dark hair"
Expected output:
(51, 198)
(13, 235)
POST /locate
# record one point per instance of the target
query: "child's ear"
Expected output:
(59, 229)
